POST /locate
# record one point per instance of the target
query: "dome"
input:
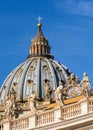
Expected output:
(39, 70)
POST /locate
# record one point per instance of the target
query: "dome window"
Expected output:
(29, 81)
(15, 83)
(46, 80)
(4, 87)
(45, 68)
(32, 68)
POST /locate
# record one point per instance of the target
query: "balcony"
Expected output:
(58, 118)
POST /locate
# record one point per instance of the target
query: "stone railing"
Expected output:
(45, 117)
(71, 111)
(90, 105)
(20, 124)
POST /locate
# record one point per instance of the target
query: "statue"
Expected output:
(72, 81)
(13, 96)
(10, 105)
(77, 80)
(8, 108)
(68, 81)
(32, 102)
(85, 83)
(58, 95)
(47, 91)
(52, 96)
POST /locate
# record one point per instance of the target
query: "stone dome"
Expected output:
(39, 69)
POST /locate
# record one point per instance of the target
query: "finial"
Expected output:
(39, 24)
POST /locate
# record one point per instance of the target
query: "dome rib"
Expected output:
(26, 79)
(39, 85)
(53, 74)
(21, 85)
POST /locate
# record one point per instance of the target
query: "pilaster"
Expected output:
(6, 125)
(84, 106)
(57, 114)
(32, 121)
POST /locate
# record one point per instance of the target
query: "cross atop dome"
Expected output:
(39, 22)
(39, 19)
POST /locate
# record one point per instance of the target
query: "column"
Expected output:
(39, 47)
(43, 49)
(30, 50)
(35, 49)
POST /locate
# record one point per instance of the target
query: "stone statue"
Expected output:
(72, 81)
(47, 91)
(11, 107)
(8, 108)
(32, 102)
(68, 81)
(77, 80)
(58, 95)
(13, 96)
(85, 83)
(52, 96)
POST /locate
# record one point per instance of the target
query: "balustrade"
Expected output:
(90, 105)
(71, 111)
(46, 117)
(51, 116)
(20, 124)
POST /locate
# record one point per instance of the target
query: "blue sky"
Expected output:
(68, 25)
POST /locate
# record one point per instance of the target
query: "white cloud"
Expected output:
(80, 7)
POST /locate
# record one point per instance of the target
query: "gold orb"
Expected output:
(39, 24)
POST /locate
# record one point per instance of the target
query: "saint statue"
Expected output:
(85, 83)
(13, 96)
(8, 108)
(59, 94)
(32, 102)
(47, 91)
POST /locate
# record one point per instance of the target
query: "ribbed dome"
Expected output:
(33, 75)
